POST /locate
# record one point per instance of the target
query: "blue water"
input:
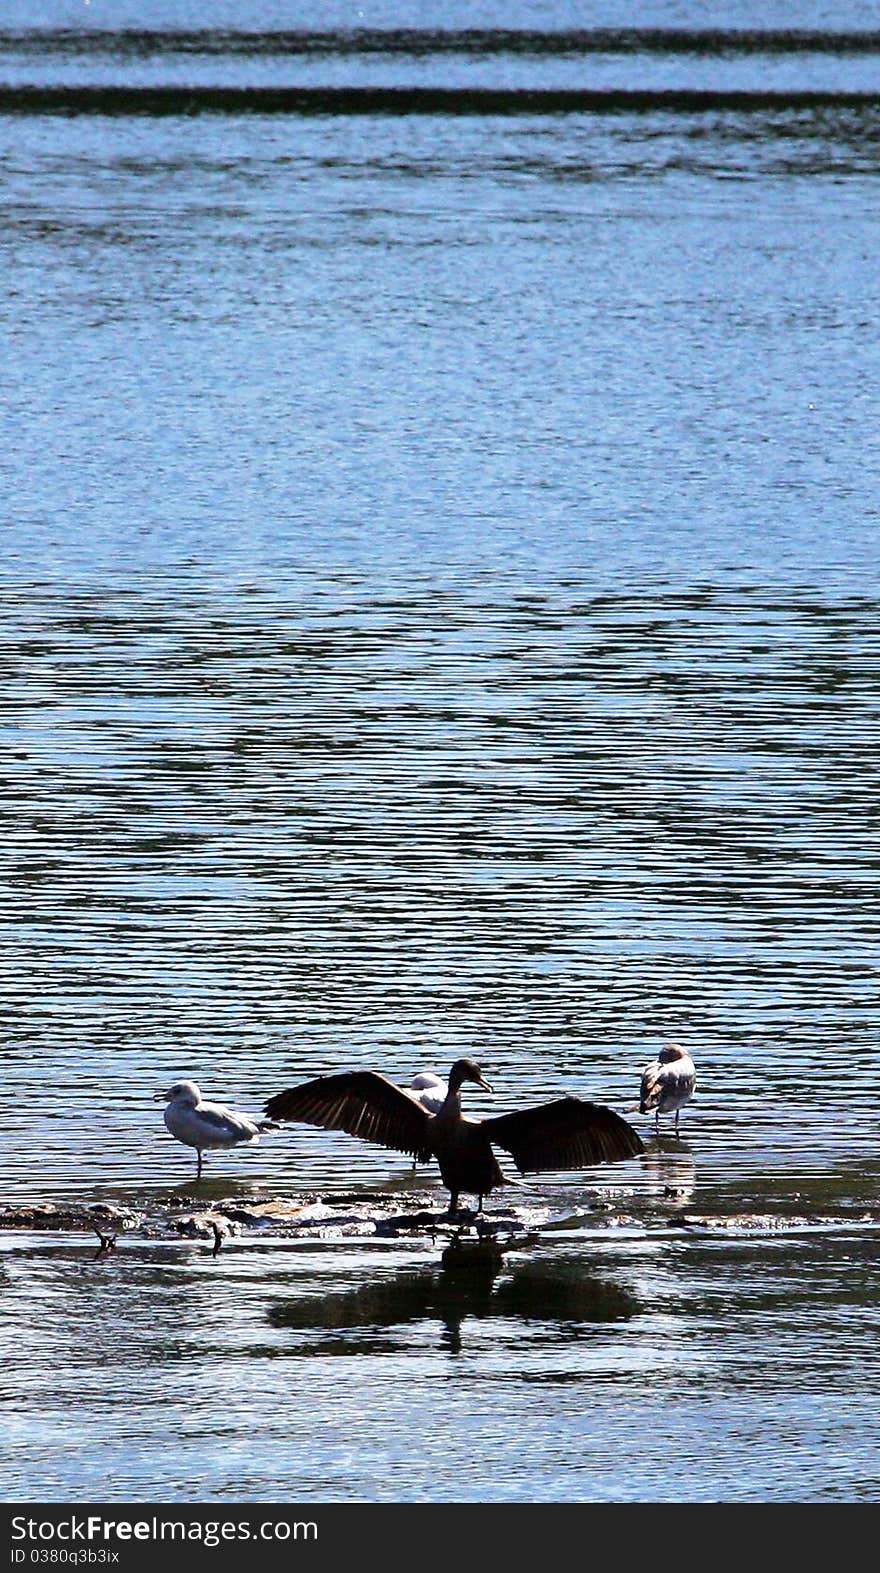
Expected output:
(439, 614)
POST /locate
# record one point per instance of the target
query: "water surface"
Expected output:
(439, 614)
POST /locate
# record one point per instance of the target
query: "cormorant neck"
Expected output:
(457, 1075)
(452, 1101)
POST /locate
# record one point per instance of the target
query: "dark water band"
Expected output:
(431, 41)
(196, 100)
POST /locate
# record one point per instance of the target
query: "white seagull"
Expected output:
(429, 1090)
(197, 1123)
(667, 1084)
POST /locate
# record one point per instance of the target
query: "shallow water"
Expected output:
(439, 614)
(643, 1369)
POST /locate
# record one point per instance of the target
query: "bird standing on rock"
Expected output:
(567, 1134)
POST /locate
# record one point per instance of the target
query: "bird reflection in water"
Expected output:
(557, 1291)
(670, 1175)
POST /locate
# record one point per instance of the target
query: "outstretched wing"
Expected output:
(364, 1104)
(568, 1134)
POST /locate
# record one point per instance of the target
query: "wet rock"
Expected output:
(114, 1220)
(347, 1228)
(279, 1210)
(320, 1214)
(419, 1217)
(767, 1223)
(408, 1223)
(204, 1225)
(46, 1215)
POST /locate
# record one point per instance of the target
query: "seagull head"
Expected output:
(185, 1092)
(670, 1052)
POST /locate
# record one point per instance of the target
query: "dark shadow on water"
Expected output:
(558, 1293)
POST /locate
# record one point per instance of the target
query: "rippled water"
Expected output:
(440, 613)
(666, 1369)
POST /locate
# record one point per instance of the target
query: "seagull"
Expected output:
(667, 1084)
(567, 1134)
(430, 1091)
(197, 1123)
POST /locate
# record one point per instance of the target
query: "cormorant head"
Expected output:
(467, 1070)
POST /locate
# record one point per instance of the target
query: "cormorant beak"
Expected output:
(160, 1097)
(482, 1082)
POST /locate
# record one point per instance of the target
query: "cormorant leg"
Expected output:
(677, 1112)
(480, 1202)
(199, 1169)
(453, 1202)
(657, 1122)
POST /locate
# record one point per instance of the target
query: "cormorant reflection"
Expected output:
(557, 1290)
